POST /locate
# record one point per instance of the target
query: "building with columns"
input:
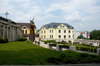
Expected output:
(56, 31)
(9, 29)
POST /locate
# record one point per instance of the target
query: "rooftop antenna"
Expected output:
(6, 14)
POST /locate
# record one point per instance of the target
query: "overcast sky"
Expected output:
(83, 15)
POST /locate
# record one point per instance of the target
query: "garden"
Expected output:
(27, 53)
(80, 47)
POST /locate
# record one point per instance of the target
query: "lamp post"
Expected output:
(6, 14)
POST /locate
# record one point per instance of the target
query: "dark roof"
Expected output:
(6, 20)
(24, 24)
(55, 25)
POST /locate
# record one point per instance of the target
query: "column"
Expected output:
(98, 51)
(72, 48)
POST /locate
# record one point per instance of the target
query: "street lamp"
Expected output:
(6, 14)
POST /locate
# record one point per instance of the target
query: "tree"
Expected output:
(80, 37)
(95, 34)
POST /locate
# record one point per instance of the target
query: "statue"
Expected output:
(32, 30)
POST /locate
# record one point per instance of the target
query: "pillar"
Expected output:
(72, 48)
(98, 51)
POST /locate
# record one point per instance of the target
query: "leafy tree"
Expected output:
(80, 37)
(95, 34)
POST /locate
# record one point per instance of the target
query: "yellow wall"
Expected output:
(28, 30)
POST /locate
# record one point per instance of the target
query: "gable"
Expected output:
(43, 28)
(24, 27)
(62, 26)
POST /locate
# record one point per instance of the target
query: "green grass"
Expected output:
(23, 53)
(72, 57)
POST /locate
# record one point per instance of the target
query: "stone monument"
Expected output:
(32, 30)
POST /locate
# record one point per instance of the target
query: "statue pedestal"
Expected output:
(32, 37)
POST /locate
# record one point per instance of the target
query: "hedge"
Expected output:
(5, 40)
(87, 49)
(72, 57)
(22, 39)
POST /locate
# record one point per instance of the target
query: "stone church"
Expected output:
(9, 29)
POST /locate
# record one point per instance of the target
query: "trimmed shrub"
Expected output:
(95, 50)
(22, 39)
(70, 42)
(1, 40)
(89, 59)
(5, 40)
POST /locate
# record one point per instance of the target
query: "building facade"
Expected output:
(85, 34)
(9, 29)
(26, 29)
(60, 31)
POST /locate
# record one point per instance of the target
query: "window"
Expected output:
(25, 31)
(59, 31)
(5, 27)
(63, 26)
(59, 36)
(41, 36)
(44, 36)
(41, 31)
(48, 26)
(52, 36)
(64, 36)
(69, 31)
(1, 26)
(64, 31)
(69, 36)
(44, 31)
(60, 26)
(50, 31)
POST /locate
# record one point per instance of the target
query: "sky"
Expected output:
(83, 15)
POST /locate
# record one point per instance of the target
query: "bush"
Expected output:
(1, 40)
(87, 49)
(74, 58)
(52, 60)
(22, 39)
(89, 59)
(5, 40)
(70, 42)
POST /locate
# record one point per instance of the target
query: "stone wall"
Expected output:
(9, 29)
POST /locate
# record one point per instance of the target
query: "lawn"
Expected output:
(23, 53)
(17, 53)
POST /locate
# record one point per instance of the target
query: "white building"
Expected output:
(85, 34)
(56, 31)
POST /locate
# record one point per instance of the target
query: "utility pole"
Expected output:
(6, 14)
